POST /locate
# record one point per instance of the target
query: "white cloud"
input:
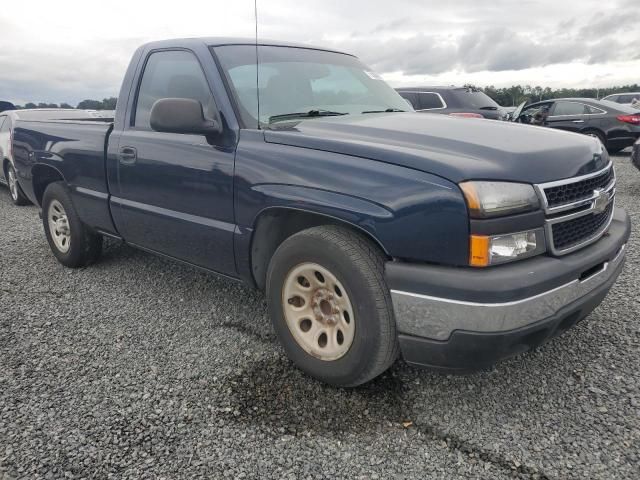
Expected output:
(67, 51)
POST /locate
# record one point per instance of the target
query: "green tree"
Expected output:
(109, 103)
(90, 105)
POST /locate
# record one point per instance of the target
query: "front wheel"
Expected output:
(331, 307)
(71, 241)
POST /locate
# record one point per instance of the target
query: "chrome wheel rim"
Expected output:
(318, 311)
(13, 183)
(59, 226)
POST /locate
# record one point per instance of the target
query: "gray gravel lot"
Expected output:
(140, 368)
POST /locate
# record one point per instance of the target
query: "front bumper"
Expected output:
(464, 319)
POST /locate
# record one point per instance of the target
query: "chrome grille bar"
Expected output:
(596, 203)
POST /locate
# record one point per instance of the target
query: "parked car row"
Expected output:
(616, 125)
(454, 101)
(613, 120)
(375, 231)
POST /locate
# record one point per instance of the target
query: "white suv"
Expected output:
(630, 98)
(8, 120)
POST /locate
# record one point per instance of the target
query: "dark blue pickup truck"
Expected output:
(374, 231)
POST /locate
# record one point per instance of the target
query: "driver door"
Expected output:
(175, 191)
(567, 115)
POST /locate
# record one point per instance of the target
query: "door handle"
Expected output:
(578, 121)
(127, 155)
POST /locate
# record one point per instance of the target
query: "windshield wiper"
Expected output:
(388, 110)
(310, 113)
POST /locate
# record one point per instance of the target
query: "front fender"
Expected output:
(413, 215)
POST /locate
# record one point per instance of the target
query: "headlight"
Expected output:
(494, 199)
(492, 250)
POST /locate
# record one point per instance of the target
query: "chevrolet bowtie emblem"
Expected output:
(600, 201)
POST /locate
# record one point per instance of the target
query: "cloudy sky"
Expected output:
(66, 51)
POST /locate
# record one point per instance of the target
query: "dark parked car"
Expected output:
(375, 232)
(616, 126)
(459, 101)
(635, 155)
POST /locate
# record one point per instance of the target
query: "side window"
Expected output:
(2, 119)
(568, 108)
(171, 74)
(593, 110)
(5, 124)
(628, 98)
(429, 101)
(539, 108)
(412, 98)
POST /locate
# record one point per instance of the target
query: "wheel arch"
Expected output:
(274, 225)
(591, 129)
(42, 176)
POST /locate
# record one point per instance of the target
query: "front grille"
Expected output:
(574, 192)
(578, 230)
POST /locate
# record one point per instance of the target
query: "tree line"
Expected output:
(105, 104)
(516, 94)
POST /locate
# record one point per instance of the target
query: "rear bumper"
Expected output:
(626, 140)
(463, 319)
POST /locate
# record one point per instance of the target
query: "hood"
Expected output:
(457, 149)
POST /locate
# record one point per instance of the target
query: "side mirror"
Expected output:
(181, 115)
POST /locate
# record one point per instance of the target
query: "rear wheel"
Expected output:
(71, 241)
(330, 305)
(17, 195)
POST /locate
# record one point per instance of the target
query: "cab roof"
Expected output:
(220, 41)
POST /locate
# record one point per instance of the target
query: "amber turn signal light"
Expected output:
(479, 255)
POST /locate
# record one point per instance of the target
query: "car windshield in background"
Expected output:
(297, 83)
(474, 98)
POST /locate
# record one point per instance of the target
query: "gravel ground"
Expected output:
(141, 368)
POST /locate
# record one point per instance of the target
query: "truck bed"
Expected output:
(76, 151)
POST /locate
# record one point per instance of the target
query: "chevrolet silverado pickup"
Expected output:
(375, 231)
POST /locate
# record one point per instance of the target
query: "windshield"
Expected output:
(299, 83)
(470, 98)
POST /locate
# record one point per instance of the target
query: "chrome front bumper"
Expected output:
(437, 318)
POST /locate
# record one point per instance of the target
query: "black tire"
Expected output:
(85, 246)
(15, 192)
(358, 264)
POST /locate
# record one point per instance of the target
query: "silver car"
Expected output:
(630, 98)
